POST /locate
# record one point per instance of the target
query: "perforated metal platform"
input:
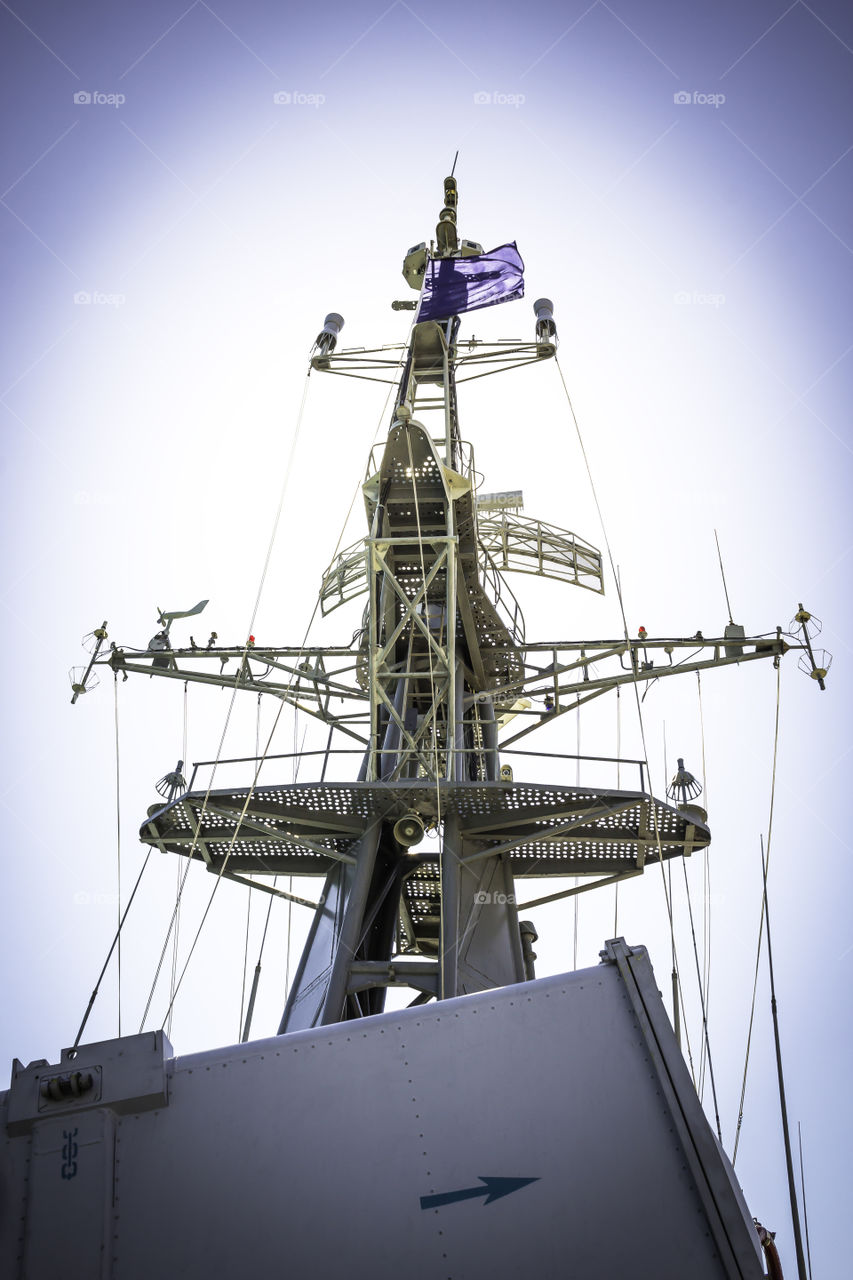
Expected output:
(308, 828)
(305, 828)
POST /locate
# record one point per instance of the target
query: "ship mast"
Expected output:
(437, 649)
(440, 665)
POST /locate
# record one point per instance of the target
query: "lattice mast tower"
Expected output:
(439, 666)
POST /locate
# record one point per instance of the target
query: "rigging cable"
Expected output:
(789, 1163)
(283, 697)
(249, 895)
(247, 1025)
(651, 805)
(705, 1049)
(191, 850)
(706, 1043)
(94, 994)
(760, 922)
(251, 791)
(618, 787)
(677, 1003)
(256, 978)
(295, 769)
(706, 896)
(577, 784)
(118, 849)
(805, 1206)
(171, 926)
(243, 660)
(176, 935)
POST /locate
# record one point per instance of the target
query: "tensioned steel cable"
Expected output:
(249, 895)
(705, 1048)
(118, 848)
(805, 1205)
(177, 932)
(219, 749)
(618, 786)
(246, 1026)
(706, 1043)
(652, 806)
(577, 784)
(253, 786)
(97, 986)
(179, 895)
(761, 921)
(706, 894)
(116, 942)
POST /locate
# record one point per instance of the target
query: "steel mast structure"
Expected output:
(440, 665)
(365, 1144)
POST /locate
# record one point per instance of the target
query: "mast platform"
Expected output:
(539, 830)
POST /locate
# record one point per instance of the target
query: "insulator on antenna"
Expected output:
(684, 786)
(92, 639)
(818, 668)
(80, 681)
(172, 783)
(808, 622)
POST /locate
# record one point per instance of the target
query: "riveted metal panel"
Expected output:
(321, 1152)
(69, 1198)
(14, 1187)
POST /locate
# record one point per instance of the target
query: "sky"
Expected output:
(187, 190)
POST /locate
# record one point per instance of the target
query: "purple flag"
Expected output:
(454, 285)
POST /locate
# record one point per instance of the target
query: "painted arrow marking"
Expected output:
(493, 1190)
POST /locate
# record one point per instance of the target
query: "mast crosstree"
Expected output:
(440, 665)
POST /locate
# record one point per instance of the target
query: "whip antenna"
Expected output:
(723, 576)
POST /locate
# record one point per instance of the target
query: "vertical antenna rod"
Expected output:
(795, 1212)
(803, 617)
(805, 1205)
(723, 576)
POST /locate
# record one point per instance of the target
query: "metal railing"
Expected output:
(258, 763)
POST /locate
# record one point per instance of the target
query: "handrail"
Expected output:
(381, 751)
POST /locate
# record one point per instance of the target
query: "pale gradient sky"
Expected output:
(699, 255)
